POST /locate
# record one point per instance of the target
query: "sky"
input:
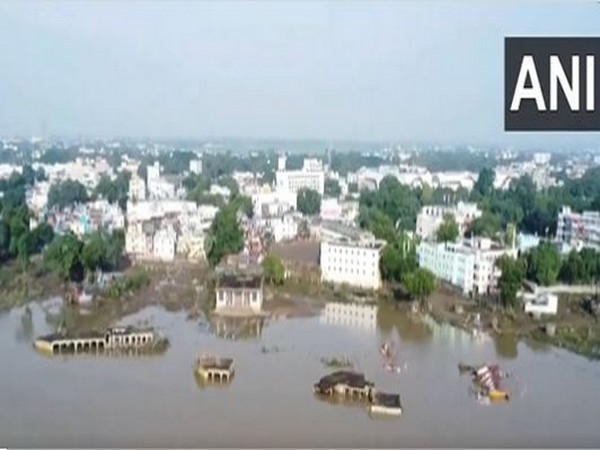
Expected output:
(386, 71)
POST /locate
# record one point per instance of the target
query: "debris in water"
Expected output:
(337, 362)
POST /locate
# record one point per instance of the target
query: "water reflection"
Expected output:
(506, 345)
(24, 333)
(356, 315)
(409, 327)
(235, 328)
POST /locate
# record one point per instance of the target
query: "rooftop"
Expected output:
(239, 281)
(352, 379)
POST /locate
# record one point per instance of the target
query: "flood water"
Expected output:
(87, 401)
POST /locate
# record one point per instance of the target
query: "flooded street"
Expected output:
(152, 401)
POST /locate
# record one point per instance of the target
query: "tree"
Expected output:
(487, 225)
(28, 175)
(510, 280)
(63, 257)
(244, 204)
(114, 191)
(485, 182)
(543, 264)
(390, 263)
(308, 202)
(332, 188)
(43, 234)
(225, 235)
(19, 226)
(67, 193)
(419, 284)
(377, 223)
(352, 187)
(398, 258)
(273, 269)
(92, 254)
(25, 248)
(4, 239)
(573, 270)
(448, 229)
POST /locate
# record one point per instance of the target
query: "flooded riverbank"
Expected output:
(84, 400)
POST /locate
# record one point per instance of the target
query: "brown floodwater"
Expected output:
(156, 401)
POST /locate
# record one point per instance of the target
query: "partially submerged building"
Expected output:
(349, 384)
(215, 369)
(239, 291)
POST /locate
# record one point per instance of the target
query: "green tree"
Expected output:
(43, 234)
(4, 239)
(332, 188)
(398, 258)
(308, 202)
(485, 183)
(19, 226)
(419, 284)
(225, 235)
(274, 270)
(63, 256)
(92, 254)
(487, 225)
(448, 229)
(377, 223)
(67, 193)
(510, 280)
(543, 264)
(352, 187)
(25, 248)
(28, 175)
(243, 204)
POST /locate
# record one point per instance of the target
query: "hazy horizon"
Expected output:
(385, 72)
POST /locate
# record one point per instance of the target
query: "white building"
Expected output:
(311, 176)
(469, 265)
(541, 304)
(352, 262)
(578, 229)
(542, 158)
(430, 218)
(331, 209)
(164, 244)
(284, 228)
(137, 188)
(196, 166)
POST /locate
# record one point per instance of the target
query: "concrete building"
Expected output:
(331, 209)
(196, 166)
(544, 304)
(431, 217)
(469, 265)
(239, 293)
(578, 229)
(164, 241)
(283, 228)
(137, 188)
(311, 176)
(354, 262)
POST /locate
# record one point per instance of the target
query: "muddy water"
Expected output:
(85, 401)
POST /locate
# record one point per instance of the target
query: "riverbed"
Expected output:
(150, 401)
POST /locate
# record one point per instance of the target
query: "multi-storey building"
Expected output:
(137, 188)
(196, 166)
(430, 218)
(578, 229)
(470, 265)
(351, 261)
(311, 176)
